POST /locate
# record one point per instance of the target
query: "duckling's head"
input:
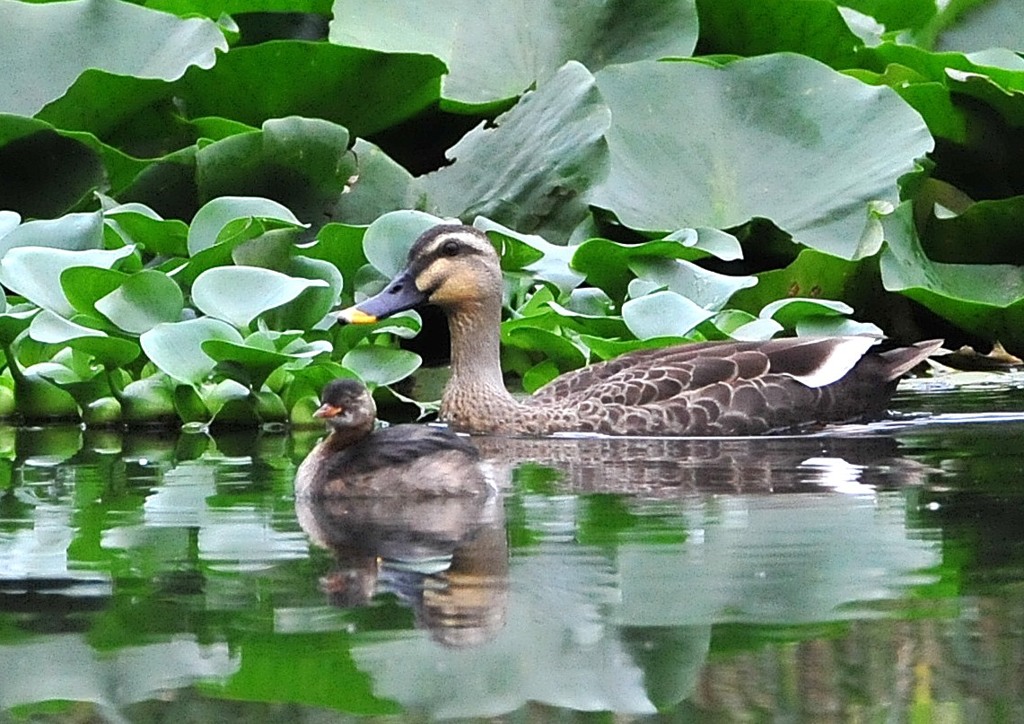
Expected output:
(347, 406)
(452, 266)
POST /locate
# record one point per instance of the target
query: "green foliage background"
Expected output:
(189, 188)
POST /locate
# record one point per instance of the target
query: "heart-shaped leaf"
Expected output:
(240, 294)
(176, 348)
(143, 301)
(35, 272)
(662, 314)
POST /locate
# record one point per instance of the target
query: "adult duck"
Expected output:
(709, 388)
(402, 460)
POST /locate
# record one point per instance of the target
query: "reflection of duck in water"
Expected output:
(400, 460)
(711, 388)
(406, 510)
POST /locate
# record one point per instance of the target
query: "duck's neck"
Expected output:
(476, 385)
(345, 437)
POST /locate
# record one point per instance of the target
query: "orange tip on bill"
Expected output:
(352, 315)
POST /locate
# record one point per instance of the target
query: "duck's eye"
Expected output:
(450, 248)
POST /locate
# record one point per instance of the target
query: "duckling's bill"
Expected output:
(355, 315)
(325, 410)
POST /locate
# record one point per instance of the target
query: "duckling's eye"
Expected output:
(450, 248)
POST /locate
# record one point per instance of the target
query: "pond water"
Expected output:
(868, 573)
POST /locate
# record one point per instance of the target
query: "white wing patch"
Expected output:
(845, 353)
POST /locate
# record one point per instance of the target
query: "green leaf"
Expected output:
(380, 185)
(774, 117)
(211, 219)
(176, 348)
(542, 158)
(387, 240)
(143, 301)
(140, 225)
(539, 37)
(789, 312)
(48, 328)
(114, 36)
(304, 163)
(73, 232)
(553, 263)
(662, 314)
(240, 294)
(606, 263)
(811, 27)
(706, 289)
(983, 299)
(255, 83)
(255, 364)
(381, 365)
(35, 272)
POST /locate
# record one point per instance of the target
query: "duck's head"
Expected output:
(452, 266)
(347, 405)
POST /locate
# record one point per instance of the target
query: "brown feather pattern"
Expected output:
(708, 388)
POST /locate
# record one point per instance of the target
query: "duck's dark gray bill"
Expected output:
(400, 294)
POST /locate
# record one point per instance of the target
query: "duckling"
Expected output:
(402, 460)
(701, 389)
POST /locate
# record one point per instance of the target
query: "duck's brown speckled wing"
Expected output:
(731, 388)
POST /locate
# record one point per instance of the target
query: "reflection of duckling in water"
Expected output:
(402, 460)
(406, 510)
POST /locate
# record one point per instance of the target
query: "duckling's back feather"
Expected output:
(397, 445)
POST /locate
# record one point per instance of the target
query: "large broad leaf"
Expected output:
(984, 299)
(387, 240)
(35, 272)
(255, 83)
(210, 220)
(540, 161)
(48, 328)
(704, 288)
(757, 27)
(781, 137)
(176, 348)
(381, 365)
(380, 185)
(993, 24)
(74, 232)
(496, 49)
(106, 34)
(304, 163)
(988, 232)
(143, 301)
(662, 314)
(240, 294)
(606, 264)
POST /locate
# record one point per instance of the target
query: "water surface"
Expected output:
(871, 572)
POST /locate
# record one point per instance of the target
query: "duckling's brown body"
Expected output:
(713, 388)
(403, 460)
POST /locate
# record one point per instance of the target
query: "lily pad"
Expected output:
(781, 137)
